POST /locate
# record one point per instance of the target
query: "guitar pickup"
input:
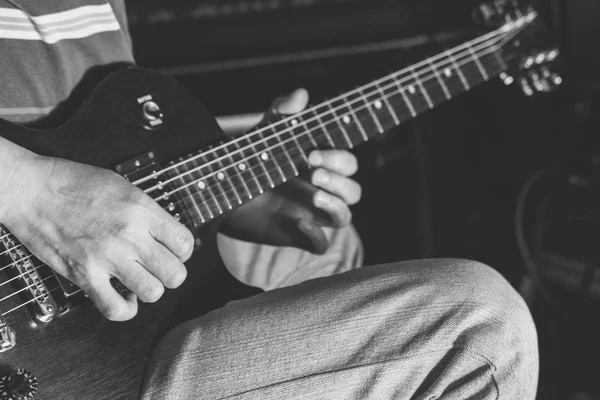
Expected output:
(131, 168)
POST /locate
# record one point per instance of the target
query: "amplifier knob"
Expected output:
(19, 385)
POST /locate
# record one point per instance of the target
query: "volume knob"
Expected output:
(19, 385)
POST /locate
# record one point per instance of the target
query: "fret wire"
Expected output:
(219, 184)
(285, 153)
(336, 118)
(228, 178)
(309, 131)
(388, 105)
(442, 84)
(391, 94)
(370, 110)
(197, 184)
(208, 186)
(478, 63)
(248, 167)
(409, 103)
(188, 191)
(322, 127)
(458, 70)
(258, 156)
(365, 137)
(423, 91)
(293, 134)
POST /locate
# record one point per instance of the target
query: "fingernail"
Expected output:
(315, 159)
(320, 177)
(321, 200)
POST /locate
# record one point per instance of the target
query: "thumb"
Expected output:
(315, 239)
(292, 103)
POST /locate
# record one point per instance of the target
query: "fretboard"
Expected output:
(214, 181)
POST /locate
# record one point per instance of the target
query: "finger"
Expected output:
(163, 264)
(341, 162)
(317, 240)
(172, 234)
(139, 281)
(336, 209)
(290, 104)
(345, 188)
(110, 303)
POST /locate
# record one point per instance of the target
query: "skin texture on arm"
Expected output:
(90, 225)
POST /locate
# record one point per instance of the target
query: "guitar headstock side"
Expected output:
(530, 52)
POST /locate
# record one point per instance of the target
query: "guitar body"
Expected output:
(80, 354)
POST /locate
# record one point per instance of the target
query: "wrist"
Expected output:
(18, 172)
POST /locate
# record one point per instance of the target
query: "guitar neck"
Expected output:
(217, 180)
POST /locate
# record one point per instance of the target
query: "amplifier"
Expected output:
(150, 13)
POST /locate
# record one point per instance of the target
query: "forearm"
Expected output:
(13, 160)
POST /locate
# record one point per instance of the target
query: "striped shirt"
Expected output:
(47, 46)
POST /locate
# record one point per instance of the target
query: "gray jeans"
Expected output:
(428, 329)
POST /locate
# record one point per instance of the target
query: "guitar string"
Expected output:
(20, 276)
(241, 149)
(29, 302)
(226, 193)
(436, 77)
(426, 64)
(500, 30)
(303, 135)
(507, 28)
(430, 78)
(25, 288)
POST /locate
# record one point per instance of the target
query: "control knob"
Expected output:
(19, 385)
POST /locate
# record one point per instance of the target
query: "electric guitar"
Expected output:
(55, 345)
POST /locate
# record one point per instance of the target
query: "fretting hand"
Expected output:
(294, 213)
(90, 225)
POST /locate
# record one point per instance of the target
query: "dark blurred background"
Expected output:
(494, 175)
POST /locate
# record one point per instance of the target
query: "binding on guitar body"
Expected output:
(144, 126)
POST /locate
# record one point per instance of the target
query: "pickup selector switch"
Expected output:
(19, 385)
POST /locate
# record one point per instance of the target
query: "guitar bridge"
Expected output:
(44, 304)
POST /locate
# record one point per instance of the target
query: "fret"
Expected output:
(263, 177)
(217, 190)
(387, 104)
(203, 187)
(267, 158)
(423, 91)
(228, 175)
(275, 142)
(350, 117)
(478, 63)
(370, 109)
(185, 178)
(458, 70)
(440, 80)
(291, 125)
(407, 101)
(323, 128)
(243, 164)
(301, 128)
(339, 124)
(195, 177)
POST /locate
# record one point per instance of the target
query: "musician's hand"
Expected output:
(90, 225)
(294, 213)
